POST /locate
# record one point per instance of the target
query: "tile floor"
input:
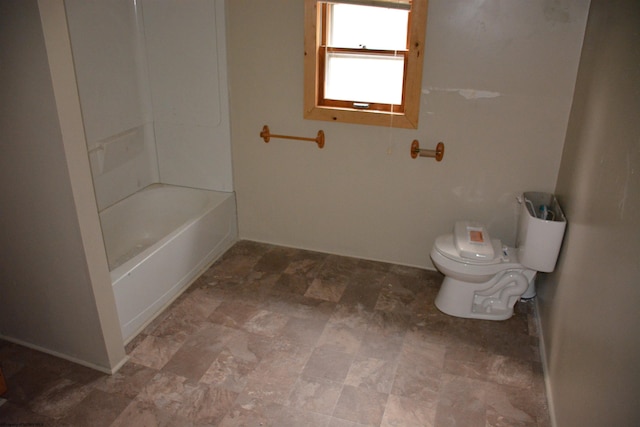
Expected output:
(272, 336)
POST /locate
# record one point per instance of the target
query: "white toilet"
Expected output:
(484, 278)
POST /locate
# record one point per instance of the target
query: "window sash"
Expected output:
(380, 29)
(372, 103)
(391, 4)
(324, 51)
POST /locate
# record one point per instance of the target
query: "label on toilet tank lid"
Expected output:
(473, 241)
(476, 236)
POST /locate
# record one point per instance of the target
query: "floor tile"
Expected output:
(304, 332)
(494, 368)
(198, 352)
(372, 374)
(265, 322)
(461, 402)
(128, 381)
(273, 336)
(305, 264)
(252, 412)
(275, 261)
(361, 405)
(328, 289)
(294, 417)
(328, 364)
(154, 352)
(143, 413)
(380, 345)
(59, 399)
(504, 407)
(233, 313)
(405, 412)
(270, 388)
(421, 383)
(340, 336)
(228, 371)
(315, 395)
(16, 414)
(206, 405)
(292, 283)
(97, 409)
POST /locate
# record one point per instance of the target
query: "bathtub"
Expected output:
(158, 241)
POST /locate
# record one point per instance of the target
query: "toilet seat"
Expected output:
(447, 246)
(445, 255)
(472, 241)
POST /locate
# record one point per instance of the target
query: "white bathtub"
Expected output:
(158, 241)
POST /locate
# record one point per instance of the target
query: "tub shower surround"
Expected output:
(153, 90)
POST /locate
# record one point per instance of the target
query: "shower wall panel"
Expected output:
(186, 53)
(152, 81)
(108, 48)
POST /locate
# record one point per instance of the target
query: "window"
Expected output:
(363, 61)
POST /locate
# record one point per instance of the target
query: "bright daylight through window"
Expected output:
(364, 54)
(363, 61)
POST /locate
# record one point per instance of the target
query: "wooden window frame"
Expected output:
(316, 108)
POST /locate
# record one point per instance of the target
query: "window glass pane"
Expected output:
(365, 26)
(365, 78)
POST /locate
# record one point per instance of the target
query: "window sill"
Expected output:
(361, 117)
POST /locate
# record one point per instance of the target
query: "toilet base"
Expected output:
(491, 300)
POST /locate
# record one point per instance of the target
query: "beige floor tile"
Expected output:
(272, 336)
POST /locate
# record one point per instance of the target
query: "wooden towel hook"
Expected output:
(437, 154)
(267, 135)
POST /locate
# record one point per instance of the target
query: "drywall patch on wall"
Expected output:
(465, 93)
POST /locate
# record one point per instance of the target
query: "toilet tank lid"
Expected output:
(472, 241)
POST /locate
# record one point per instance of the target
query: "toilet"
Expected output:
(484, 278)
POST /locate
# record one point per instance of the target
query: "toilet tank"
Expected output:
(540, 231)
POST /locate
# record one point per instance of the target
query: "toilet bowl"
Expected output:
(486, 289)
(484, 279)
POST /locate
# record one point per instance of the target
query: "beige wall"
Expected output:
(590, 308)
(55, 289)
(497, 88)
